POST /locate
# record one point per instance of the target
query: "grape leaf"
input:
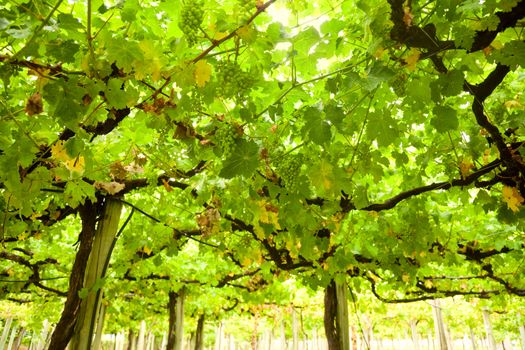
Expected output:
(317, 129)
(202, 73)
(120, 95)
(243, 161)
(513, 198)
(512, 54)
(445, 119)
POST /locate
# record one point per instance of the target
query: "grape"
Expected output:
(398, 84)
(288, 170)
(225, 137)
(233, 80)
(191, 18)
(246, 7)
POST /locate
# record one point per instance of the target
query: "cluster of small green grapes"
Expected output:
(398, 84)
(191, 18)
(225, 137)
(288, 170)
(246, 8)
(233, 80)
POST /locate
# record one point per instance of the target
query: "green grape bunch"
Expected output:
(225, 137)
(246, 7)
(289, 169)
(233, 81)
(398, 84)
(192, 15)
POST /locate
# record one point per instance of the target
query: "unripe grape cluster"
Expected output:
(191, 18)
(289, 169)
(398, 84)
(233, 81)
(246, 8)
(225, 137)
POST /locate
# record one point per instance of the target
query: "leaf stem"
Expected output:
(88, 33)
(361, 132)
(296, 85)
(453, 147)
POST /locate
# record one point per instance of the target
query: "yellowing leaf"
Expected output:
(259, 232)
(323, 176)
(429, 284)
(412, 59)
(405, 277)
(147, 250)
(486, 156)
(246, 33)
(209, 221)
(219, 35)
(76, 165)
(167, 185)
(110, 187)
(512, 104)
(58, 151)
(268, 214)
(153, 62)
(513, 198)
(465, 166)
(202, 73)
(379, 53)
(246, 262)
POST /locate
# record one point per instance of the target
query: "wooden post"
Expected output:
(119, 341)
(295, 330)
(439, 325)
(5, 332)
(472, 338)
(218, 337)
(164, 341)
(430, 340)
(19, 338)
(415, 335)
(342, 314)
(142, 334)
(522, 336)
(176, 320)
(488, 329)
(521, 327)
(95, 270)
(151, 341)
(450, 340)
(132, 340)
(282, 336)
(97, 342)
(14, 329)
(199, 333)
(179, 333)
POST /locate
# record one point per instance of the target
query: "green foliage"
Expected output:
(290, 141)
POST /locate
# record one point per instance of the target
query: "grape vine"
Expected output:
(225, 138)
(191, 18)
(289, 169)
(233, 81)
